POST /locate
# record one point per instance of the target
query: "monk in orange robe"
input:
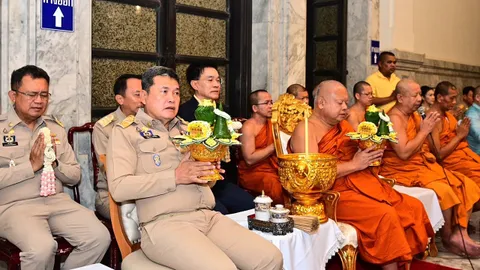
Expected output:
(411, 164)
(449, 138)
(392, 227)
(258, 170)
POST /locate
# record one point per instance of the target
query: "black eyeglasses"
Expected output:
(268, 102)
(34, 95)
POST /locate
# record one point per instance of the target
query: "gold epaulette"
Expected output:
(127, 121)
(185, 122)
(106, 120)
(54, 119)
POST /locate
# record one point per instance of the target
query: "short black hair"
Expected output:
(425, 89)
(253, 97)
(295, 88)
(194, 71)
(384, 55)
(149, 74)
(442, 88)
(467, 90)
(358, 87)
(28, 70)
(121, 83)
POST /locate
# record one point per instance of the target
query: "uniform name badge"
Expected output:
(9, 140)
(156, 160)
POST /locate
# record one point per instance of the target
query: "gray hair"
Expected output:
(149, 74)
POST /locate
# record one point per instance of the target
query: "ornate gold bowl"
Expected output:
(368, 143)
(306, 177)
(201, 153)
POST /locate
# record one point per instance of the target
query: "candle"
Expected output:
(306, 132)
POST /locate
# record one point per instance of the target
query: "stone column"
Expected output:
(65, 56)
(278, 44)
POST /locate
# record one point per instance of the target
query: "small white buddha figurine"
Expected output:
(47, 182)
(262, 207)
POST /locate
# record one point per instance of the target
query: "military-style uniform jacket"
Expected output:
(17, 180)
(141, 164)
(101, 133)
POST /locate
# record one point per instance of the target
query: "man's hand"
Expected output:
(429, 122)
(37, 152)
(189, 172)
(363, 159)
(393, 95)
(463, 128)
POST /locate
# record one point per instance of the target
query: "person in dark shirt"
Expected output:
(206, 83)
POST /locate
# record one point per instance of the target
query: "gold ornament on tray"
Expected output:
(304, 175)
(376, 130)
(209, 137)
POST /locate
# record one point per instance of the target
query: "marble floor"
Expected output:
(448, 259)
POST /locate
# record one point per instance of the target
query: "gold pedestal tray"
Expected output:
(306, 177)
(201, 153)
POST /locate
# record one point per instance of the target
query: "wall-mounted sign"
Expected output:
(374, 52)
(57, 15)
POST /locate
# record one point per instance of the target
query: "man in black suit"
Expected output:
(206, 83)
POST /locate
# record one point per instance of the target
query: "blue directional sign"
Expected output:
(375, 52)
(57, 15)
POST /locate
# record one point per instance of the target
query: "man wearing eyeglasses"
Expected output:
(206, 84)
(362, 91)
(28, 218)
(128, 94)
(258, 171)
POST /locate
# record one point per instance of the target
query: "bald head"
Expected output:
(409, 95)
(405, 86)
(327, 88)
(331, 98)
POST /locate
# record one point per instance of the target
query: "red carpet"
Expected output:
(336, 264)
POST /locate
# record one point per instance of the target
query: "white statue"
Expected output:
(47, 182)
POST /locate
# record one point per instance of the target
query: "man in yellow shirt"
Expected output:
(384, 81)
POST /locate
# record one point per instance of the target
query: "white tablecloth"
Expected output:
(97, 266)
(430, 202)
(302, 250)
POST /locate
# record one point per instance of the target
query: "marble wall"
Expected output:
(278, 44)
(65, 56)
(430, 72)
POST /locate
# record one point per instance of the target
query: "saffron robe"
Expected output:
(453, 189)
(462, 159)
(264, 174)
(391, 227)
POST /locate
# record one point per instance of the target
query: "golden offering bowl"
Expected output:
(306, 177)
(368, 143)
(201, 153)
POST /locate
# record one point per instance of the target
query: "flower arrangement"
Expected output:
(210, 135)
(375, 130)
(213, 127)
(376, 127)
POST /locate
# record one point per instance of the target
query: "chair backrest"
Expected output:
(88, 127)
(125, 226)
(286, 114)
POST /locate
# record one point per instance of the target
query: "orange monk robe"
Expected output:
(462, 159)
(422, 170)
(391, 226)
(264, 174)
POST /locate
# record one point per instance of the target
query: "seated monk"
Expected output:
(449, 139)
(362, 91)
(411, 164)
(258, 170)
(392, 227)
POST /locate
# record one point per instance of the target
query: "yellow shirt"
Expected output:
(383, 87)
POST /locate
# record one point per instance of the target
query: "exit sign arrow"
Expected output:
(58, 17)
